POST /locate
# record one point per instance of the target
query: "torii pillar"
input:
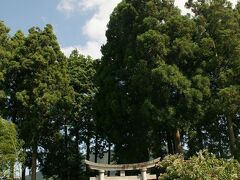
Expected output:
(101, 174)
(144, 173)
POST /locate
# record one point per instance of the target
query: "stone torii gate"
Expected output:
(101, 168)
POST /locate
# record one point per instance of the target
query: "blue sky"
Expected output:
(77, 24)
(25, 14)
(68, 23)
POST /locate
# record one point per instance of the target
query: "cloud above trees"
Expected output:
(94, 28)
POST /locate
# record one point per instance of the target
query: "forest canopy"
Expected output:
(166, 83)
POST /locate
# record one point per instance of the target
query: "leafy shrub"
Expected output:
(204, 166)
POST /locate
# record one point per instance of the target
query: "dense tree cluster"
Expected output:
(49, 97)
(167, 83)
(170, 80)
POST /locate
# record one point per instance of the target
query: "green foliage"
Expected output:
(163, 72)
(4, 54)
(11, 151)
(203, 166)
(34, 82)
(81, 71)
(149, 79)
(164, 80)
(71, 121)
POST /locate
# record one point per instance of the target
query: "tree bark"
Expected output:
(77, 153)
(23, 171)
(14, 115)
(200, 138)
(77, 142)
(88, 150)
(88, 147)
(109, 152)
(232, 138)
(177, 142)
(109, 155)
(34, 161)
(220, 149)
(96, 149)
(66, 149)
(169, 143)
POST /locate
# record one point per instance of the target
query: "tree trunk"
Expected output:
(109, 155)
(220, 149)
(34, 161)
(14, 115)
(96, 149)
(200, 138)
(169, 143)
(77, 153)
(23, 172)
(66, 176)
(88, 150)
(88, 146)
(177, 142)
(232, 138)
(77, 142)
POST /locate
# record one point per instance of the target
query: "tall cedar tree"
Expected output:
(35, 80)
(78, 126)
(5, 53)
(218, 38)
(82, 72)
(146, 89)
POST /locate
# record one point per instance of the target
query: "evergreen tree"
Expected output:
(5, 54)
(35, 80)
(82, 72)
(71, 123)
(142, 85)
(218, 39)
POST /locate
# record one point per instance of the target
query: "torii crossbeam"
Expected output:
(101, 168)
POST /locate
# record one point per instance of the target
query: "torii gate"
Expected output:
(101, 168)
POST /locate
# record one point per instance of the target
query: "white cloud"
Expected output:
(95, 27)
(44, 19)
(89, 4)
(181, 5)
(91, 48)
(67, 6)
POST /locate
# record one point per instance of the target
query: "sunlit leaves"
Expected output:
(204, 165)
